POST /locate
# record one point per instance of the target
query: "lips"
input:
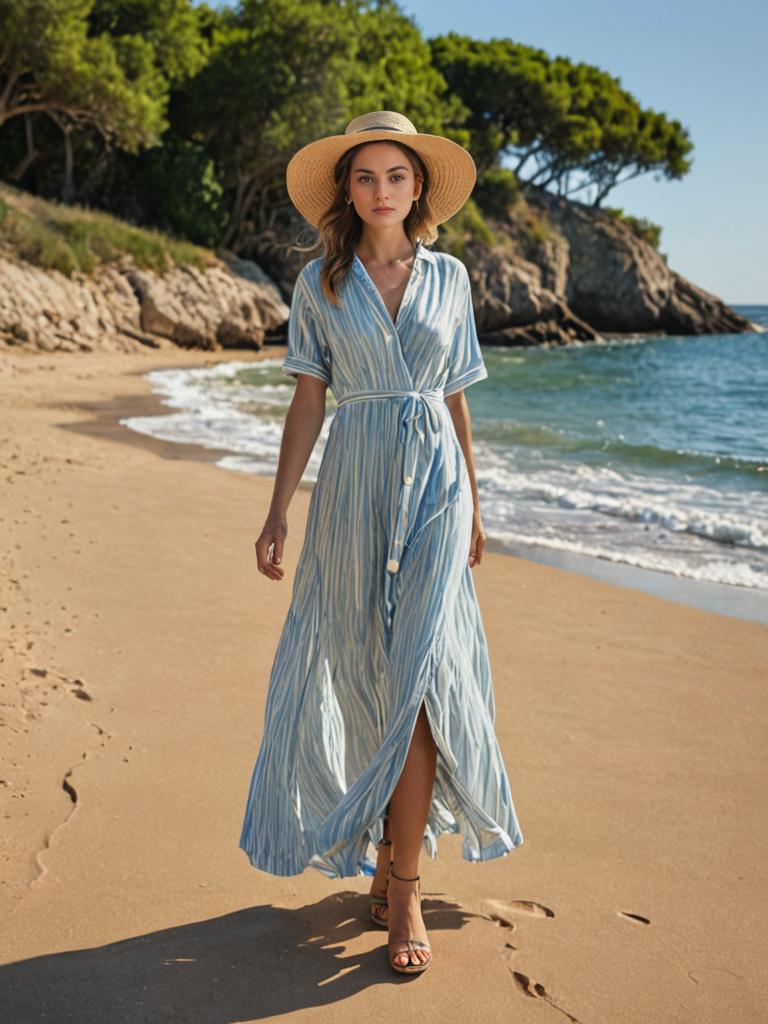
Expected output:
(383, 209)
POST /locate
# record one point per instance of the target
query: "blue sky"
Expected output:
(703, 63)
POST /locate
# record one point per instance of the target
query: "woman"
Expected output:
(379, 720)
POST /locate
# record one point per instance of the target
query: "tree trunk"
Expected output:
(68, 188)
(236, 218)
(22, 167)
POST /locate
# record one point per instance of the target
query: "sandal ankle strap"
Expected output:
(403, 878)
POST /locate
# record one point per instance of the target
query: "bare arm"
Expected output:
(459, 410)
(303, 423)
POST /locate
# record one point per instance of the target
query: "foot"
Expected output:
(405, 922)
(379, 884)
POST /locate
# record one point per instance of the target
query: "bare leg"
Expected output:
(408, 810)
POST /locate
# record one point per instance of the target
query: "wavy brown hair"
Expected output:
(341, 226)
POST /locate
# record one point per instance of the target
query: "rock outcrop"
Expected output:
(617, 282)
(560, 272)
(515, 304)
(232, 303)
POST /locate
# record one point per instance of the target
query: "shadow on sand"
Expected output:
(252, 964)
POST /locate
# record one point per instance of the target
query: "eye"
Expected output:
(367, 177)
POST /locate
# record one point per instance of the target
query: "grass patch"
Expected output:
(72, 239)
(467, 225)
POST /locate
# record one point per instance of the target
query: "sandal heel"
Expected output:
(380, 901)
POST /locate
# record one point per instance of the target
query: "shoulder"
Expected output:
(307, 286)
(448, 266)
(309, 275)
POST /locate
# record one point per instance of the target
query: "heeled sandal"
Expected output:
(410, 944)
(378, 900)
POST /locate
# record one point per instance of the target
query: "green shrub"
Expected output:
(71, 239)
(467, 225)
(497, 191)
(643, 228)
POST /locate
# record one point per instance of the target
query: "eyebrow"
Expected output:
(367, 170)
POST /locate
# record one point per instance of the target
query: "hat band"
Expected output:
(382, 128)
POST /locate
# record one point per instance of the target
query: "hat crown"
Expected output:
(381, 120)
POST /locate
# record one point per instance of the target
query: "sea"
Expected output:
(648, 453)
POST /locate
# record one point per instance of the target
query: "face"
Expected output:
(382, 184)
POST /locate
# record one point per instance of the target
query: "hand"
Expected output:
(272, 537)
(477, 544)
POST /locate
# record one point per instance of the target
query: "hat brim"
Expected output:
(309, 174)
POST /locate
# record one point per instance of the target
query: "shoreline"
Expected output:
(722, 599)
(139, 636)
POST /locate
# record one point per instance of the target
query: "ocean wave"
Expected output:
(534, 488)
(738, 574)
(678, 507)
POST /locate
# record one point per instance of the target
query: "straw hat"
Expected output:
(309, 175)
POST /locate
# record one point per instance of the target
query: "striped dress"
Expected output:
(383, 614)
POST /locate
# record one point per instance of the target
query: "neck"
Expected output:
(383, 247)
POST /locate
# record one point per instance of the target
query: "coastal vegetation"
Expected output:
(181, 117)
(54, 236)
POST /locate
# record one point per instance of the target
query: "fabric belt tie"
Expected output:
(414, 408)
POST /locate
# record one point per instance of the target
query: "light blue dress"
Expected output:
(383, 614)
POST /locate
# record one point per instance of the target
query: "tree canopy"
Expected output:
(563, 126)
(184, 116)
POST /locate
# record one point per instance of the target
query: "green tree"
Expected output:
(284, 72)
(400, 77)
(568, 127)
(54, 61)
(276, 78)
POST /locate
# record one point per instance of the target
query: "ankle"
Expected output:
(410, 875)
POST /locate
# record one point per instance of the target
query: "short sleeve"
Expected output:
(306, 352)
(466, 359)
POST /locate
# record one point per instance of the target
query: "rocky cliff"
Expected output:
(586, 276)
(232, 303)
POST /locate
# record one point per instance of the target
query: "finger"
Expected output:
(262, 546)
(472, 551)
(273, 568)
(275, 572)
(479, 549)
(262, 550)
(277, 553)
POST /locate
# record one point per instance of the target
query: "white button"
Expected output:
(397, 543)
(393, 565)
(408, 479)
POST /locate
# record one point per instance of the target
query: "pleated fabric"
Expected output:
(383, 614)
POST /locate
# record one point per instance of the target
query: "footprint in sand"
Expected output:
(634, 917)
(536, 990)
(502, 911)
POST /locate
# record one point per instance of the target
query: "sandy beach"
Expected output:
(137, 637)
